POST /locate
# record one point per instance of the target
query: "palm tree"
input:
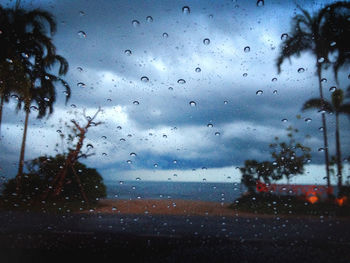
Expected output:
(336, 106)
(316, 33)
(22, 35)
(24, 39)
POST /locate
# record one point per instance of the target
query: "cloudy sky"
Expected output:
(212, 65)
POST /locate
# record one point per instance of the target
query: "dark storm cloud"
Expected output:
(223, 96)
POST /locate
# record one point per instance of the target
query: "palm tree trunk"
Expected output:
(337, 138)
(324, 126)
(21, 158)
(1, 106)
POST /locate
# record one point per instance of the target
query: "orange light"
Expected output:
(340, 201)
(312, 199)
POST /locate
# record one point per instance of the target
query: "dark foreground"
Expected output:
(34, 237)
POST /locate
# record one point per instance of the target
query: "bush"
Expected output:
(41, 173)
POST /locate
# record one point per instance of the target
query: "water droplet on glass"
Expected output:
(149, 19)
(181, 81)
(133, 154)
(122, 140)
(301, 70)
(165, 136)
(82, 34)
(209, 125)
(206, 41)
(260, 3)
(193, 103)
(245, 74)
(307, 120)
(104, 154)
(175, 162)
(35, 108)
(284, 36)
(332, 89)
(155, 165)
(198, 70)
(284, 120)
(274, 80)
(144, 79)
(135, 23)
(170, 88)
(320, 149)
(82, 13)
(259, 92)
(73, 105)
(129, 161)
(275, 91)
(81, 85)
(247, 49)
(320, 60)
(89, 146)
(46, 99)
(324, 80)
(128, 52)
(211, 16)
(136, 102)
(165, 35)
(225, 102)
(80, 69)
(217, 133)
(186, 10)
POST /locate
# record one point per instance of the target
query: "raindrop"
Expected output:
(34, 108)
(260, 3)
(275, 91)
(133, 154)
(46, 99)
(245, 74)
(274, 80)
(122, 140)
(82, 13)
(135, 23)
(119, 127)
(144, 79)
(149, 19)
(89, 146)
(170, 88)
(129, 161)
(247, 49)
(155, 165)
(80, 69)
(284, 36)
(332, 89)
(259, 92)
(165, 35)
(128, 52)
(284, 120)
(206, 41)
(209, 125)
(225, 102)
(138, 179)
(193, 103)
(321, 149)
(320, 60)
(121, 182)
(175, 162)
(186, 10)
(81, 85)
(211, 16)
(136, 102)
(217, 133)
(181, 81)
(198, 70)
(324, 80)
(165, 136)
(104, 154)
(73, 105)
(301, 70)
(333, 44)
(320, 129)
(82, 34)
(104, 137)
(307, 120)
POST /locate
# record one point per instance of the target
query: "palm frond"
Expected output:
(318, 104)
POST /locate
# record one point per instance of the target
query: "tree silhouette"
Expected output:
(25, 41)
(320, 34)
(335, 106)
